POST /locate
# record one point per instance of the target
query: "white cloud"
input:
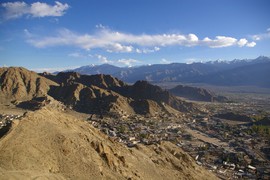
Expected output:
(242, 42)
(258, 37)
(127, 62)
(103, 59)
(219, 41)
(42, 9)
(252, 44)
(146, 50)
(193, 40)
(193, 37)
(13, 10)
(113, 41)
(116, 47)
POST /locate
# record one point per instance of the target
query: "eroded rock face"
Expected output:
(51, 144)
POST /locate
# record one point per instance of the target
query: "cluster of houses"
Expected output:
(139, 129)
(243, 153)
(5, 122)
(239, 156)
(7, 119)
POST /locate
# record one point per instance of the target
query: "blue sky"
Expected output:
(56, 35)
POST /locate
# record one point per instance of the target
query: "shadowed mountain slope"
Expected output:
(91, 99)
(106, 91)
(197, 94)
(145, 90)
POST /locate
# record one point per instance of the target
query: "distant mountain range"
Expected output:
(247, 72)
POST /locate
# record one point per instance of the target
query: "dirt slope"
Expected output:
(49, 144)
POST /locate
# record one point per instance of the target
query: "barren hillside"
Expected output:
(51, 144)
(17, 83)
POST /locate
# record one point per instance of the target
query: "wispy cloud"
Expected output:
(127, 62)
(116, 47)
(13, 10)
(113, 41)
(147, 50)
(258, 37)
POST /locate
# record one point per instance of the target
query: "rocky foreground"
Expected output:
(51, 144)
